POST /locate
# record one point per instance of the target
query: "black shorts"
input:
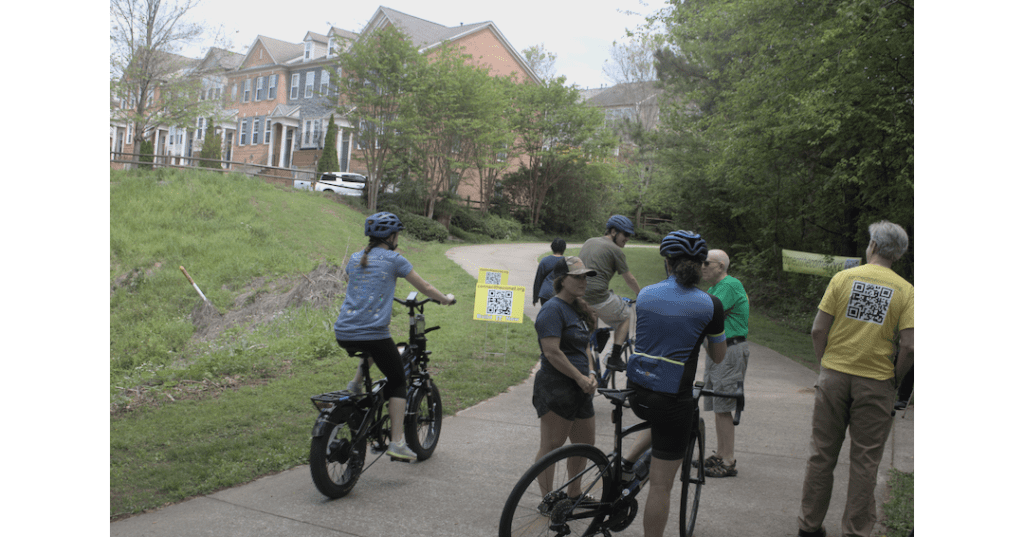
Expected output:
(385, 354)
(670, 417)
(558, 393)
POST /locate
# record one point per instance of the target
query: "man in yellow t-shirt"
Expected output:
(863, 337)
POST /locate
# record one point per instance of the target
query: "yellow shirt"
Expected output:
(870, 306)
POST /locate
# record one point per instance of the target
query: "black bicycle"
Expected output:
(589, 495)
(349, 421)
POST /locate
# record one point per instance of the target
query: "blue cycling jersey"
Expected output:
(672, 321)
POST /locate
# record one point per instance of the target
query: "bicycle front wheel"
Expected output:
(423, 422)
(336, 460)
(558, 509)
(693, 479)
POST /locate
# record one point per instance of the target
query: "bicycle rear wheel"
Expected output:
(423, 423)
(693, 479)
(529, 512)
(336, 460)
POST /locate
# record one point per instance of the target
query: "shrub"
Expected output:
(423, 228)
(468, 219)
(146, 155)
(500, 228)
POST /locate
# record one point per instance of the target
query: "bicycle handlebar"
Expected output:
(741, 400)
(411, 302)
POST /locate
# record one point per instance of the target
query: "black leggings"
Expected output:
(385, 354)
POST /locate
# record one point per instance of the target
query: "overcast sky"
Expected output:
(580, 33)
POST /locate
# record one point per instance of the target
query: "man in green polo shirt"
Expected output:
(726, 376)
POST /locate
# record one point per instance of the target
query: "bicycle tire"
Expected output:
(693, 479)
(336, 461)
(423, 423)
(521, 516)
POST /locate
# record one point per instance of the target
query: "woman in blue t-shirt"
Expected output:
(563, 390)
(673, 317)
(365, 316)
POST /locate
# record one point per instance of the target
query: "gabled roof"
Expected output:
(628, 94)
(218, 58)
(427, 35)
(279, 51)
(313, 36)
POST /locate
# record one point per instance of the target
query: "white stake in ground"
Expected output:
(185, 272)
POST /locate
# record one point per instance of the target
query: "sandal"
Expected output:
(721, 470)
(712, 461)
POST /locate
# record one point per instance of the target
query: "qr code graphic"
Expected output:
(492, 278)
(499, 302)
(869, 302)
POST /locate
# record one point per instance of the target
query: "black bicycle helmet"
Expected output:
(620, 223)
(381, 225)
(684, 243)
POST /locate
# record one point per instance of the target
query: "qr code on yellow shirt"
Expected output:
(869, 302)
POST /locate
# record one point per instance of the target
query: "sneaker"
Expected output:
(399, 450)
(614, 363)
(354, 387)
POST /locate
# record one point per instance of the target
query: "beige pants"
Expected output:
(864, 406)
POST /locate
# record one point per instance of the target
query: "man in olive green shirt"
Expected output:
(726, 376)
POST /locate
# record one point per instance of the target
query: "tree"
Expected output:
(792, 123)
(556, 132)
(378, 77)
(541, 62)
(209, 156)
(329, 159)
(153, 84)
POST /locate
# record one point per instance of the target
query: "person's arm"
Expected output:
(819, 333)
(717, 351)
(558, 359)
(538, 281)
(424, 287)
(905, 359)
(631, 282)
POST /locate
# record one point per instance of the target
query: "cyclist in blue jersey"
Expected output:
(673, 319)
(365, 316)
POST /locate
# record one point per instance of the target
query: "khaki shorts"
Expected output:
(613, 311)
(725, 377)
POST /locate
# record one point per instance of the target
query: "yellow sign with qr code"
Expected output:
(490, 276)
(499, 303)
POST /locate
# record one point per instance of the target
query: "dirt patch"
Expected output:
(261, 301)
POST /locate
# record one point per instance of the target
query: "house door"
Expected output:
(288, 149)
(344, 155)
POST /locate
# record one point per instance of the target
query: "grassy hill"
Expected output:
(206, 396)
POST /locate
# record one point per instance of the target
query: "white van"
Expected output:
(345, 184)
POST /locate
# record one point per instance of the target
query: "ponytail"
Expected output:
(686, 271)
(374, 241)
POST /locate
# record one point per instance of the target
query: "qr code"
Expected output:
(499, 302)
(492, 278)
(869, 302)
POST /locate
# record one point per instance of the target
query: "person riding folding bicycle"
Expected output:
(365, 316)
(673, 319)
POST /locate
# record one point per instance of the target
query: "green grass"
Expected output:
(241, 404)
(899, 509)
(223, 413)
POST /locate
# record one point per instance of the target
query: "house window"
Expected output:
(247, 90)
(200, 127)
(316, 132)
(310, 76)
(325, 82)
(234, 92)
(306, 133)
(266, 135)
(259, 88)
(229, 138)
(255, 131)
(295, 86)
(243, 129)
(309, 52)
(330, 46)
(272, 92)
(209, 94)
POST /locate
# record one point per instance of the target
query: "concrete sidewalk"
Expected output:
(484, 450)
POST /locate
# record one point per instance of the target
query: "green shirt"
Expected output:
(737, 307)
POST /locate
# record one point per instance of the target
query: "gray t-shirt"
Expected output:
(607, 259)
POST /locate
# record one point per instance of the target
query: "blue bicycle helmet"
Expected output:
(620, 223)
(381, 225)
(684, 243)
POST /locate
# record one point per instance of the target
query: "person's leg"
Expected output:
(554, 430)
(725, 432)
(870, 423)
(583, 431)
(663, 476)
(828, 430)
(389, 361)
